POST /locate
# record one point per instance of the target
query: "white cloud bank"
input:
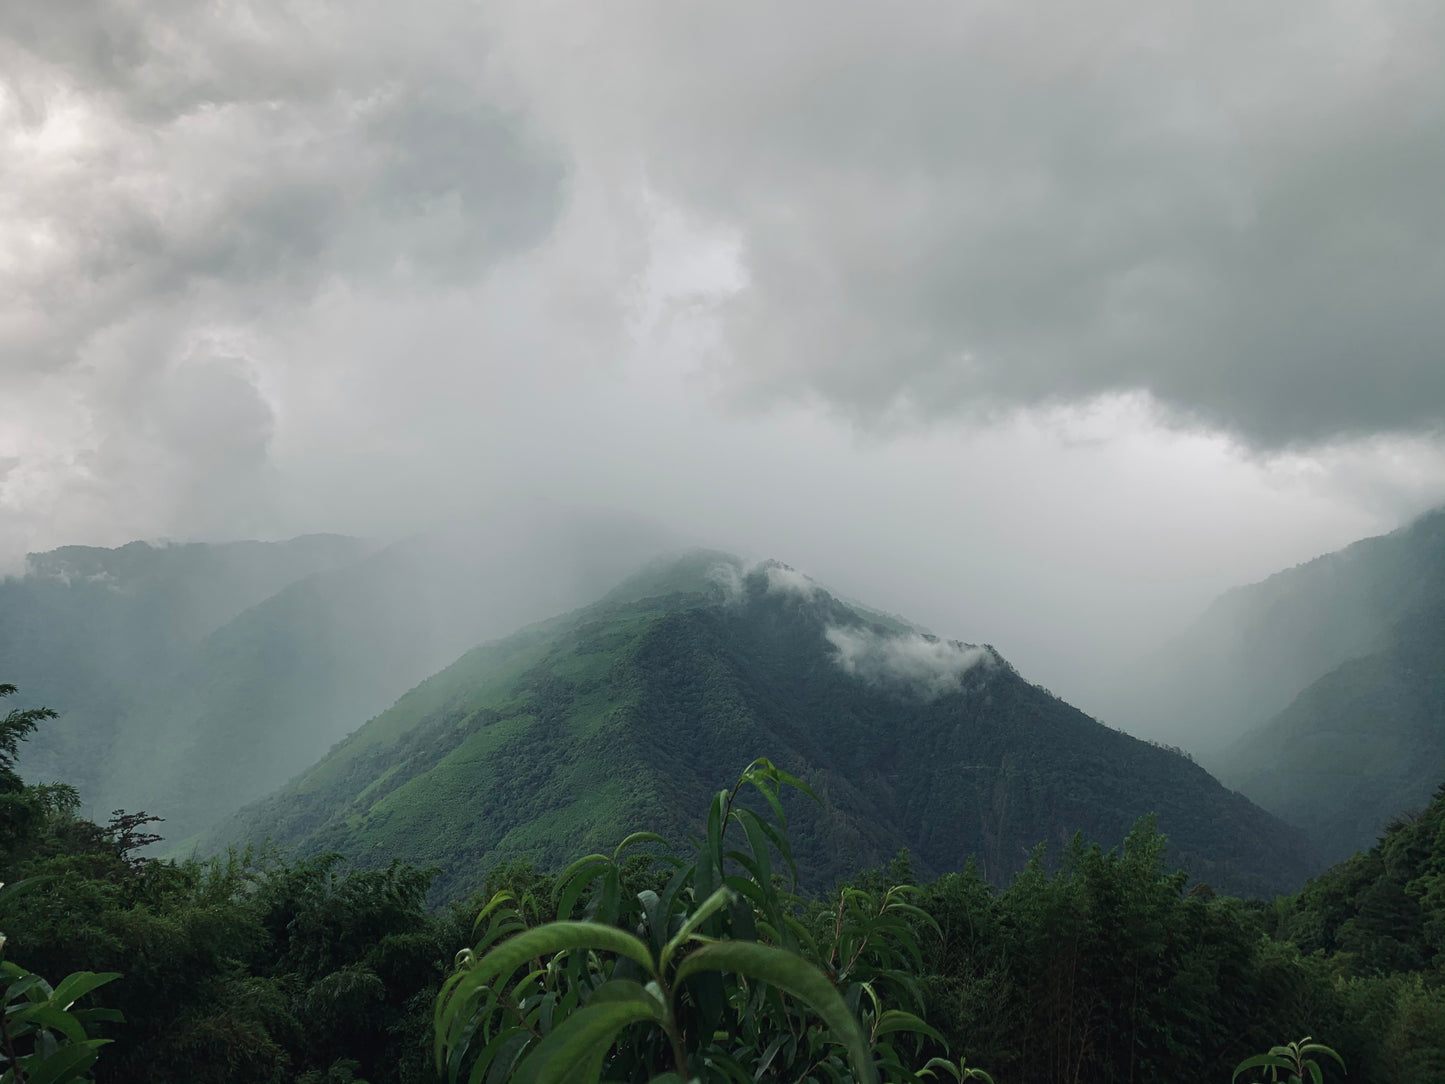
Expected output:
(785, 580)
(930, 666)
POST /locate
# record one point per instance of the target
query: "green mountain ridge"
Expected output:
(189, 688)
(555, 741)
(1258, 647)
(1357, 747)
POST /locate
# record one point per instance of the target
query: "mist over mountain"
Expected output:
(554, 741)
(92, 632)
(1357, 748)
(1259, 646)
(187, 689)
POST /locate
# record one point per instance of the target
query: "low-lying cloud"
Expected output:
(929, 666)
(785, 580)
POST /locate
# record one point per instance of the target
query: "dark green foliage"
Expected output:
(1104, 970)
(43, 1038)
(1094, 965)
(558, 739)
(713, 977)
(15, 727)
(243, 968)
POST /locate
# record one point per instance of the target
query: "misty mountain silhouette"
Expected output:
(193, 679)
(629, 713)
(1318, 691)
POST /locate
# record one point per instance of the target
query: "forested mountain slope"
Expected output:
(93, 632)
(1258, 647)
(188, 689)
(1359, 746)
(1385, 905)
(561, 738)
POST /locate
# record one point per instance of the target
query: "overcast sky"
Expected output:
(1038, 322)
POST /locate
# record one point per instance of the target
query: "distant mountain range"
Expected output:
(1359, 746)
(192, 679)
(629, 713)
(1318, 692)
(96, 632)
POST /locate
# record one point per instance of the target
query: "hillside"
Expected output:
(1258, 647)
(1385, 905)
(193, 679)
(561, 738)
(266, 695)
(94, 632)
(1359, 746)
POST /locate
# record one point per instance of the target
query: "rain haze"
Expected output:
(1035, 323)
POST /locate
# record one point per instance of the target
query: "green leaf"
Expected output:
(501, 1056)
(939, 1063)
(705, 910)
(1261, 1061)
(636, 838)
(46, 1015)
(572, 1050)
(70, 1062)
(1320, 1048)
(75, 986)
(573, 881)
(503, 960)
(897, 1020)
(794, 975)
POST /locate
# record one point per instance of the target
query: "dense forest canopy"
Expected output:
(1107, 967)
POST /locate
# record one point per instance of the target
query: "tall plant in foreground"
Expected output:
(707, 975)
(1293, 1060)
(42, 1035)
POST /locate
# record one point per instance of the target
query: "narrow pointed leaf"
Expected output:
(705, 910)
(795, 976)
(559, 1058)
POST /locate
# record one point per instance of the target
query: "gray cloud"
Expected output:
(955, 209)
(232, 160)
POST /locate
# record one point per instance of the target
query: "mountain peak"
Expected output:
(628, 711)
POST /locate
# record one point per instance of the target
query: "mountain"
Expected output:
(1385, 905)
(1357, 747)
(1259, 647)
(631, 712)
(188, 689)
(267, 694)
(92, 632)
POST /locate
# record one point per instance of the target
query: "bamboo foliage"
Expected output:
(711, 976)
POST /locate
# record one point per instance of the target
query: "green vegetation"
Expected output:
(192, 679)
(1294, 1059)
(1258, 647)
(1317, 692)
(564, 736)
(105, 635)
(1090, 965)
(1357, 746)
(711, 974)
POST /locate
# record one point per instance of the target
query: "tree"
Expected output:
(15, 728)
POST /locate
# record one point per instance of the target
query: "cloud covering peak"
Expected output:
(926, 665)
